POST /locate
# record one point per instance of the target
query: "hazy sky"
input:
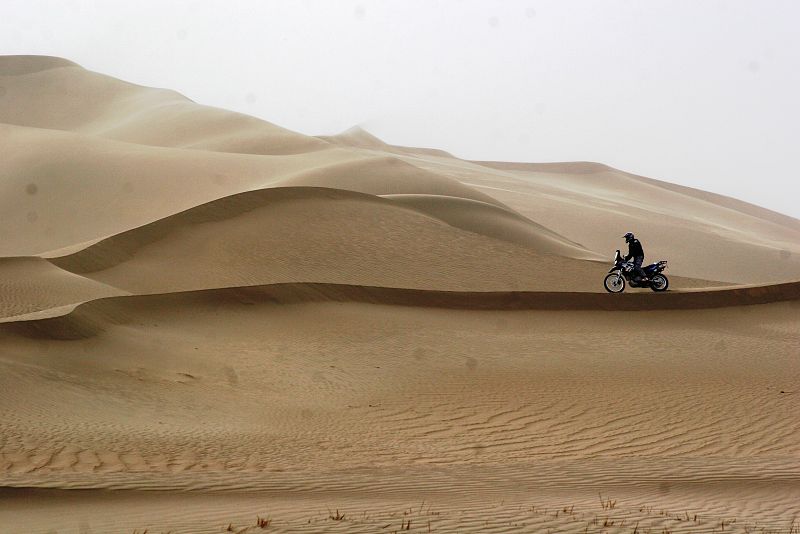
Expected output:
(696, 92)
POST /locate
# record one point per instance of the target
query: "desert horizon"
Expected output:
(211, 323)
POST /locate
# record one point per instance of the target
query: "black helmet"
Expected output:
(628, 237)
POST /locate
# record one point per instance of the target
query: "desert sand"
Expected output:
(207, 319)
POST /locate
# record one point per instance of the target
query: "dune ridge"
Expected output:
(359, 137)
(89, 318)
(86, 102)
(587, 167)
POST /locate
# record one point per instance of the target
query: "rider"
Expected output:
(636, 252)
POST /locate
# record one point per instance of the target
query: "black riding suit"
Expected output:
(636, 252)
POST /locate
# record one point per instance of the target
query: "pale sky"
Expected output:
(702, 93)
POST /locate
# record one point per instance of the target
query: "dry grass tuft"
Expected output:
(335, 517)
(606, 504)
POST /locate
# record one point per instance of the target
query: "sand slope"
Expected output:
(487, 219)
(59, 95)
(352, 239)
(703, 235)
(218, 318)
(287, 409)
(32, 284)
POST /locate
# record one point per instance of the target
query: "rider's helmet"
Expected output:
(628, 237)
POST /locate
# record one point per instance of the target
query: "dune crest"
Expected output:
(20, 65)
(385, 175)
(71, 98)
(357, 137)
(88, 319)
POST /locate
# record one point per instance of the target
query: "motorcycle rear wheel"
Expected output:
(659, 283)
(614, 283)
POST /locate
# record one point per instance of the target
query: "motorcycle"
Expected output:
(623, 271)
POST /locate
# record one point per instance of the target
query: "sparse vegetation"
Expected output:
(335, 517)
(640, 519)
(607, 504)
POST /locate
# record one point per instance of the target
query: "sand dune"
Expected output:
(61, 188)
(32, 284)
(489, 220)
(386, 175)
(702, 235)
(359, 138)
(353, 239)
(582, 167)
(218, 318)
(705, 236)
(94, 104)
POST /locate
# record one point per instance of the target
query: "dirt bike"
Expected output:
(623, 271)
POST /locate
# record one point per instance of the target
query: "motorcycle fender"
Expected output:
(614, 269)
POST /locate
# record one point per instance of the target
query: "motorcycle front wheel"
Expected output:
(659, 283)
(614, 283)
